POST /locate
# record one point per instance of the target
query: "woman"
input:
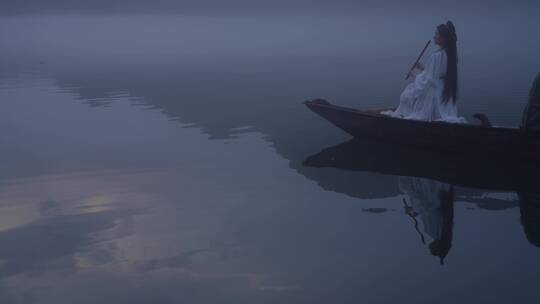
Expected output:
(433, 94)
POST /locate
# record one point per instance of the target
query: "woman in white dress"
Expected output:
(433, 94)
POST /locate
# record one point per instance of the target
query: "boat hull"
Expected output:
(457, 138)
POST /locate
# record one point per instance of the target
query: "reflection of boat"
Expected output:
(530, 217)
(471, 172)
(455, 169)
(460, 138)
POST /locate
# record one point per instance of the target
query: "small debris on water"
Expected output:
(374, 210)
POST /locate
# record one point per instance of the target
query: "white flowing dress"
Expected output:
(423, 98)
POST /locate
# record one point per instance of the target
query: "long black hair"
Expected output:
(448, 34)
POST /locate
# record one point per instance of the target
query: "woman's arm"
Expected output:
(427, 78)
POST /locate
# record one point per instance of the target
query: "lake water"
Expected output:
(165, 158)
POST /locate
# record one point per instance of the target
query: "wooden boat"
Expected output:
(458, 138)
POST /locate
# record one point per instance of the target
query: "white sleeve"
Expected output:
(429, 77)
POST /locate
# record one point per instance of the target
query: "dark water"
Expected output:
(168, 159)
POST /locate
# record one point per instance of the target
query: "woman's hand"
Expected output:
(419, 66)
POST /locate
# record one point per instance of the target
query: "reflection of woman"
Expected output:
(433, 203)
(433, 94)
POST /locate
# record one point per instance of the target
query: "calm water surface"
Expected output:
(168, 159)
